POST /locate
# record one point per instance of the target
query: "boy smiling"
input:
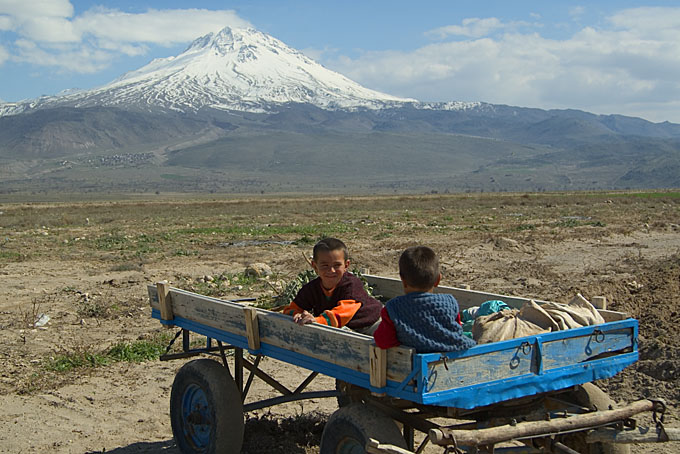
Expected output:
(337, 297)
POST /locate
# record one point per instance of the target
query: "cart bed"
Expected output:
(482, 375)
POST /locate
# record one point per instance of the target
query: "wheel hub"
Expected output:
(197, 413)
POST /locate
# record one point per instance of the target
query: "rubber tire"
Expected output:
(349, 429)
(590, 396)
(207, 385)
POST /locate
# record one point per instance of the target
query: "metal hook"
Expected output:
(598, 335)
(660, 408)
(526, 347)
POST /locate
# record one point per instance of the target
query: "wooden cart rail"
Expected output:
(391, 287)
(480, 376)
(525, 430)
(340, 353)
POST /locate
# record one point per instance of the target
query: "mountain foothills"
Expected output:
(239, 111)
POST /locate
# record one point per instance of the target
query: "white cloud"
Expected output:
(576, 11)
(318, 54)
(630, 67)
(4, 55)
(23, 10)
(42, 20)
(50, 30)
(6, 23)
(64, 57)
(651, 22)
(472, 27)
(49, 35)
(164, 27)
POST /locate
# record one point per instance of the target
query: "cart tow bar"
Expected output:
(453, 449)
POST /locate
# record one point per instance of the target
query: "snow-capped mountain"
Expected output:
(234, 69)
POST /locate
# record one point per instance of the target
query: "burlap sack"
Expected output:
(579, 312)
(503, 325)
(533, 318)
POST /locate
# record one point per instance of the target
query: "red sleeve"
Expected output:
(460, 322)
(385, 336)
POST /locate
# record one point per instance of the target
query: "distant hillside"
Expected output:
(240, 111)
(64, 131)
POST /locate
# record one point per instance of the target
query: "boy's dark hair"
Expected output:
(329, 244)
(419, 267)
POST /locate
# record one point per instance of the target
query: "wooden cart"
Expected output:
(535, 390)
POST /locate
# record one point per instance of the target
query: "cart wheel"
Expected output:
(349, 429)
(590, 396)
(206, 411)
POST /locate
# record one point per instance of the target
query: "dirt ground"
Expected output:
(86, 266)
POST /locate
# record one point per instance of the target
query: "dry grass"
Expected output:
(120, 246)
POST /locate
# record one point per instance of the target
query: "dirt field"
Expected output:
(86, 266)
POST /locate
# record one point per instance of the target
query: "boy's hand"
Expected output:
(303, 318)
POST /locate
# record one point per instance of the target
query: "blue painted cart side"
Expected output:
(501, 371)
(480, 376)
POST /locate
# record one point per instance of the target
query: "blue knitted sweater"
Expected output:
(427, 322)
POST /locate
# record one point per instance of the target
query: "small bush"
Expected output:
(79, 358)
(136, 351)
(84, 357)
(11, 256)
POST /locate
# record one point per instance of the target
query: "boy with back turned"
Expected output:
(427, 321)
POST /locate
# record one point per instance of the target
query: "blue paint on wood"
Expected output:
(531, 384)
(583, 348)
(483, 375)
(539, 357)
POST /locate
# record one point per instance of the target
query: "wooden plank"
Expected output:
(340, 347)
(468, 371)
(492, 435)
(558, 350)
(612, 316)
(213, 312)
(378, 365)
(165, 301)
(252, 328)
(600, 302)
(578, 349)
(391, 287)
(153, 297)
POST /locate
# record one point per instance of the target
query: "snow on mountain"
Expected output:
(234, 69)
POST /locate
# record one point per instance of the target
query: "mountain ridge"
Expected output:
(241, 106)
(234, 69)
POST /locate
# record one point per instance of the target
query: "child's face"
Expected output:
(330, 266)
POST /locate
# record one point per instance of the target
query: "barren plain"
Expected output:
(79, 349)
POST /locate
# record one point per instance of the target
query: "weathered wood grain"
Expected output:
(252, 328)
(390, 287)
(343, 348)
(490, 366)
(579, 349)
(164, 301)
(378, 366)
(351, 356)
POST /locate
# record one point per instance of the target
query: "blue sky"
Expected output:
(600, 56)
